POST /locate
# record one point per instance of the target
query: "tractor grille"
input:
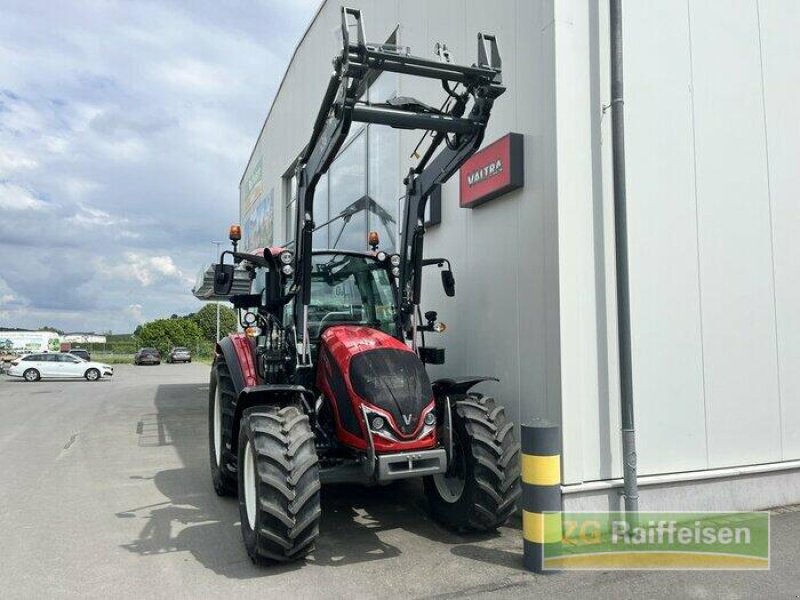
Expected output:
(394, 380)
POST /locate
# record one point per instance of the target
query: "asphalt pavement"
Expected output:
(105, 492)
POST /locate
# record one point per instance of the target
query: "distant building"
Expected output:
(29, 341)
(83, 338)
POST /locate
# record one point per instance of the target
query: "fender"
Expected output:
(238, 352)
(457, 385)
(266, 395)
(442, 390)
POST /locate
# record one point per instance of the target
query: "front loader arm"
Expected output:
(431, 172)
(354, 68)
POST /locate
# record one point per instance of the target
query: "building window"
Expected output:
(383, 172)
(367, 165)
(321, 214)
(347, 182)
(290, 202)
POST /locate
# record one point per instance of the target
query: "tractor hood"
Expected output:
(381, 371)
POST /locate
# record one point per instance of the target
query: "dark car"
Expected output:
(147, 356)
(81, 353)
(179, 354)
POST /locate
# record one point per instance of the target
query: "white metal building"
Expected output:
(712, 96)
(84, 338)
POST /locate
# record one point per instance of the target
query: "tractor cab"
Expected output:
(352, 288)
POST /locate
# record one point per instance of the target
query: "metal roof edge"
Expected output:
(280, 86)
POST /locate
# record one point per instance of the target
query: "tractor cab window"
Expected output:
(349, 289)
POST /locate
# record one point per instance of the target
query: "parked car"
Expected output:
(33, 367)
(147, 356)
(179, 354)
(81, 353)
(5, 360)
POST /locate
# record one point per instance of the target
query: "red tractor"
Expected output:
(328, 381)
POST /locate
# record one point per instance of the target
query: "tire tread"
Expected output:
(287, 470)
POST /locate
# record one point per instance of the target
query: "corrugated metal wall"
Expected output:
(713, 148)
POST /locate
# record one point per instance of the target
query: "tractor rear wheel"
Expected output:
(221, 398)
(279, 487)
(481, 487)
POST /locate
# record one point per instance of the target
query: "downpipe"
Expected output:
(629, 467)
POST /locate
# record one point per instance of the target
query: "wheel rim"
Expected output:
(249, 486)
(91, 375)
(30, 375)
(218, 426)
(451, 487)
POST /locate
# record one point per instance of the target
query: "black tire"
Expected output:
(223, 471)
(92, 375)
(31, 375)
(486, 460)
(286, 486)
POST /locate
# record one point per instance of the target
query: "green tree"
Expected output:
(206, 320)
(163, 334)
(51, 329)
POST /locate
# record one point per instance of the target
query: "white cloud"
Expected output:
(16, 198)
(134, 311)
(12, 162)
(123, 135)
(195, 76)
(146, 270)
(79, 188)
(92, 217)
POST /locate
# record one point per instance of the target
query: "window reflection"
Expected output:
(368, 164)
(384, 184)
(321, 215)
(347, 181)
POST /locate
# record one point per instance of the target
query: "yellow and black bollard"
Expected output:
(541, 491)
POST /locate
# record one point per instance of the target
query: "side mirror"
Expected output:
(449, 283)
(223, 279)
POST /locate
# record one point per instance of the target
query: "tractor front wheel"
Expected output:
(221, 396)
(279, 487)
(481, 486)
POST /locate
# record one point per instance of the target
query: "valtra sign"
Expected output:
(492, 172)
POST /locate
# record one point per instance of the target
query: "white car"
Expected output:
(34, 367)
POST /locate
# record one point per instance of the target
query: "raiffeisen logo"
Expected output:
(650, 540)
(484, 173)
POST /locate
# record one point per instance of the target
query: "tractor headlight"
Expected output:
(381, 256)
(377, 422)
(287, 270)
(396, 271)
(285, 257)
(395, 260)
(430, 418)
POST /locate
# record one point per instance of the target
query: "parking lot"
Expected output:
(105, 492)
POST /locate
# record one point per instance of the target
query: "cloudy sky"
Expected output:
(124, 130)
